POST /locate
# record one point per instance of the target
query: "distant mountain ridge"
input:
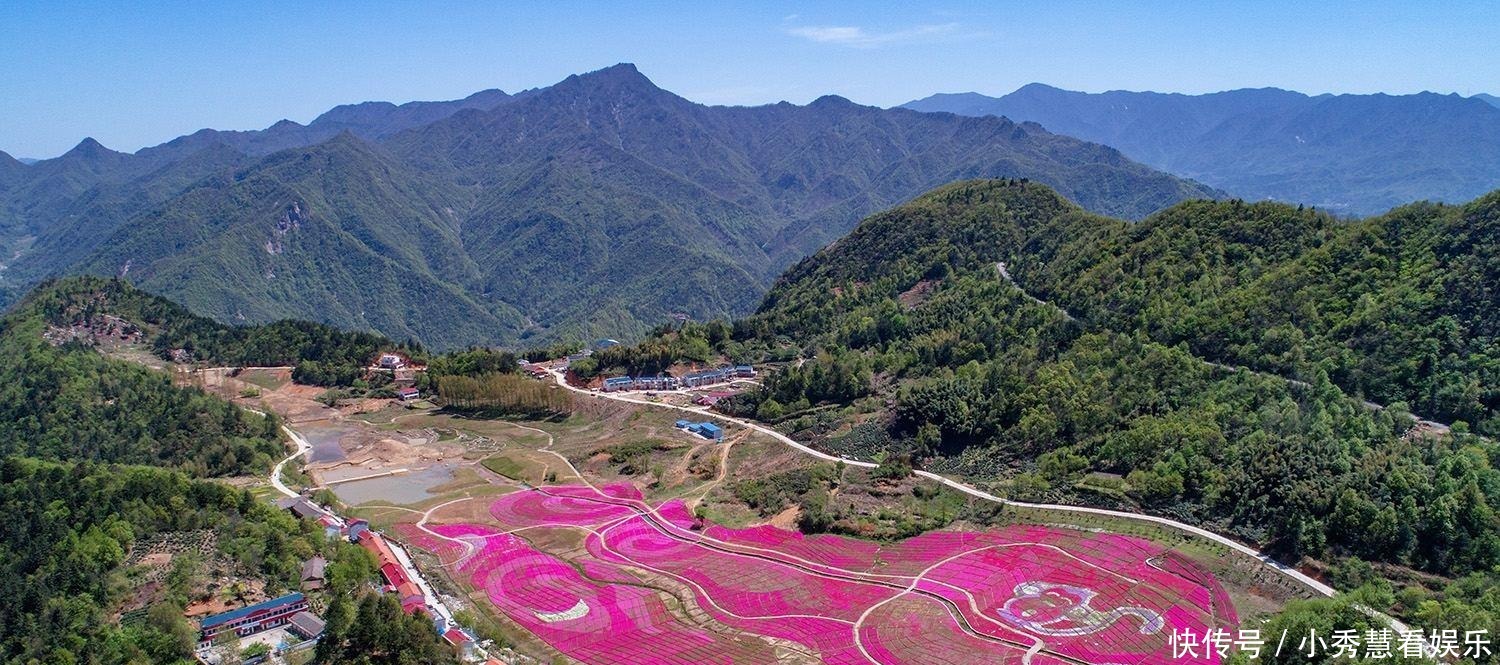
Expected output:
(1351, 154)
(599, 206)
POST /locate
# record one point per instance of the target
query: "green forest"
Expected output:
(68, 402)
(63, 552)
(1152, 398)
(909, 320)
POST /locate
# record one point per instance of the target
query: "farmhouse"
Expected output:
(713, 398)
(252, 619)
(391, 361)
(408, 394)
(307, 625)
(300, 507)
(313, 576)
(461, 642)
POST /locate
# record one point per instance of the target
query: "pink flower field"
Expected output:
(1020, 594)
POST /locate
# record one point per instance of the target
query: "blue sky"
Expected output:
(133, 75)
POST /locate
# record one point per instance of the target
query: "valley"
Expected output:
(483, 523)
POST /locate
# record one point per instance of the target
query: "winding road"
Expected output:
(1265, 559)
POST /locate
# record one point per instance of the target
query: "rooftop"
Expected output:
(274, 603)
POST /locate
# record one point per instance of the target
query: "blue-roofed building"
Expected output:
(744, 371)
(683, 424)
(251, 619)
(707, 431)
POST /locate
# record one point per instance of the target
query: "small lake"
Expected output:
(325, 442)
(405, 488)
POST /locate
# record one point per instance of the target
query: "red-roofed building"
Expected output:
(462, 643)
(396, 579)
(411, 596)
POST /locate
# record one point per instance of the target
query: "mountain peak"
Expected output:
(489, 97)
(621, 75)
(1035, 88)
(90, 149)
(828, 101)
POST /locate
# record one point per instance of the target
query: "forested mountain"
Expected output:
(62, 400)
(370, 120)
(1350, 154)
(916, 343)
(11, 170)
(54, 212)
(597, 206)
(1488, 98)
(338, 232)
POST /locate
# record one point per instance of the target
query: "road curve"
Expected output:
(302, 449)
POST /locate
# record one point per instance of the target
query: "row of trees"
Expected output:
(506, 393)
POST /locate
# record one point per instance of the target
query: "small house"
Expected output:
(357, 528)
(391, 361)
(307, 625)
(313, 576)
(461, 642)
(408, 394)
(300, 507)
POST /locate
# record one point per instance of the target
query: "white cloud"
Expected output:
(856, 37)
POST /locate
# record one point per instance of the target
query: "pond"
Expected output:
(404, 488)
(325, 442)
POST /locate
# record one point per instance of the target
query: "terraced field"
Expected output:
(653, 584)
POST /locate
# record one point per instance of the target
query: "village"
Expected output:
(287, 624)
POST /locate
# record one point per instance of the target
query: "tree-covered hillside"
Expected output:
(64, 400)
(60, 399)
(1402, 307)
(917, 344)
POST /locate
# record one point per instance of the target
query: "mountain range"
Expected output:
(601, 205)
(1349, 154)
